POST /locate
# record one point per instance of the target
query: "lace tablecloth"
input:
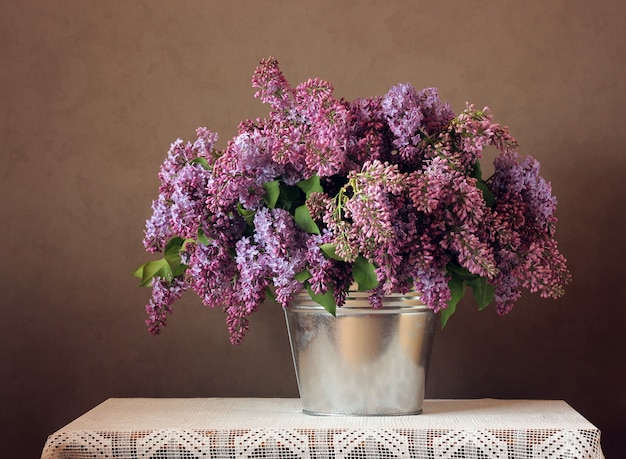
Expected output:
(276, 428)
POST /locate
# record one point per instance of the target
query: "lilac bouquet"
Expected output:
(382, 193)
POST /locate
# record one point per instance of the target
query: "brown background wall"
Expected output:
(93, 92)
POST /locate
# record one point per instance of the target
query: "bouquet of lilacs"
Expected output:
(384, 194)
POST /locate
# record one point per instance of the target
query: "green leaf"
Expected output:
(247, 214)
(272, 191)
(168, 267)
(139, 271)
(477, 172)
(203, 238)
(173, 248)
(460, 272)
(311, 185)
(364, 274)
(289, 196)
(329, 250)
(174, 245)
(175, 267)
(488, 196)
(202, 161)
(303, 276)
(457, 290)
(327, 299)
(484, 293)
(269, 293)
(149, 270)
(304, 220)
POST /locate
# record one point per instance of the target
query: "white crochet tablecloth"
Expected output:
(276, 428)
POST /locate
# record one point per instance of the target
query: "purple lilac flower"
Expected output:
(245, 166)
(210, 269)
(253, 276)
(179, 206)
(158, 230)
(522, 179)
(164, 294)
(433, 284)
(251, 155)
(204, 146)
(401, 108)
(284, 246)
(507, 292)
(525, 206)
(398, 188)
(187, 197)
(319, 264)
(277, 253)
(412, 117)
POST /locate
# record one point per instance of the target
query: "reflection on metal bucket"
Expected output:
(364, 361)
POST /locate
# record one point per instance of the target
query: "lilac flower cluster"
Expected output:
(324, 189)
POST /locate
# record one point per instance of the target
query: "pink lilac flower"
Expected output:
(457, 207)
(473, 130)
(307, 125)
(325, 141)
(544, 269)
(436, 115)
(204, 146)
(369, 135)
(365, 220)
(273, 86)
(210, 268)
(237, 322)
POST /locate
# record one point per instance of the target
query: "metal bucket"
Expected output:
(364, 361)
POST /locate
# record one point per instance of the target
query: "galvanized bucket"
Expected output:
(364, 361)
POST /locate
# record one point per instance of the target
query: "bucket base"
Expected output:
(315, 413)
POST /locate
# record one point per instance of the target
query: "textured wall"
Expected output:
(93, 92)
